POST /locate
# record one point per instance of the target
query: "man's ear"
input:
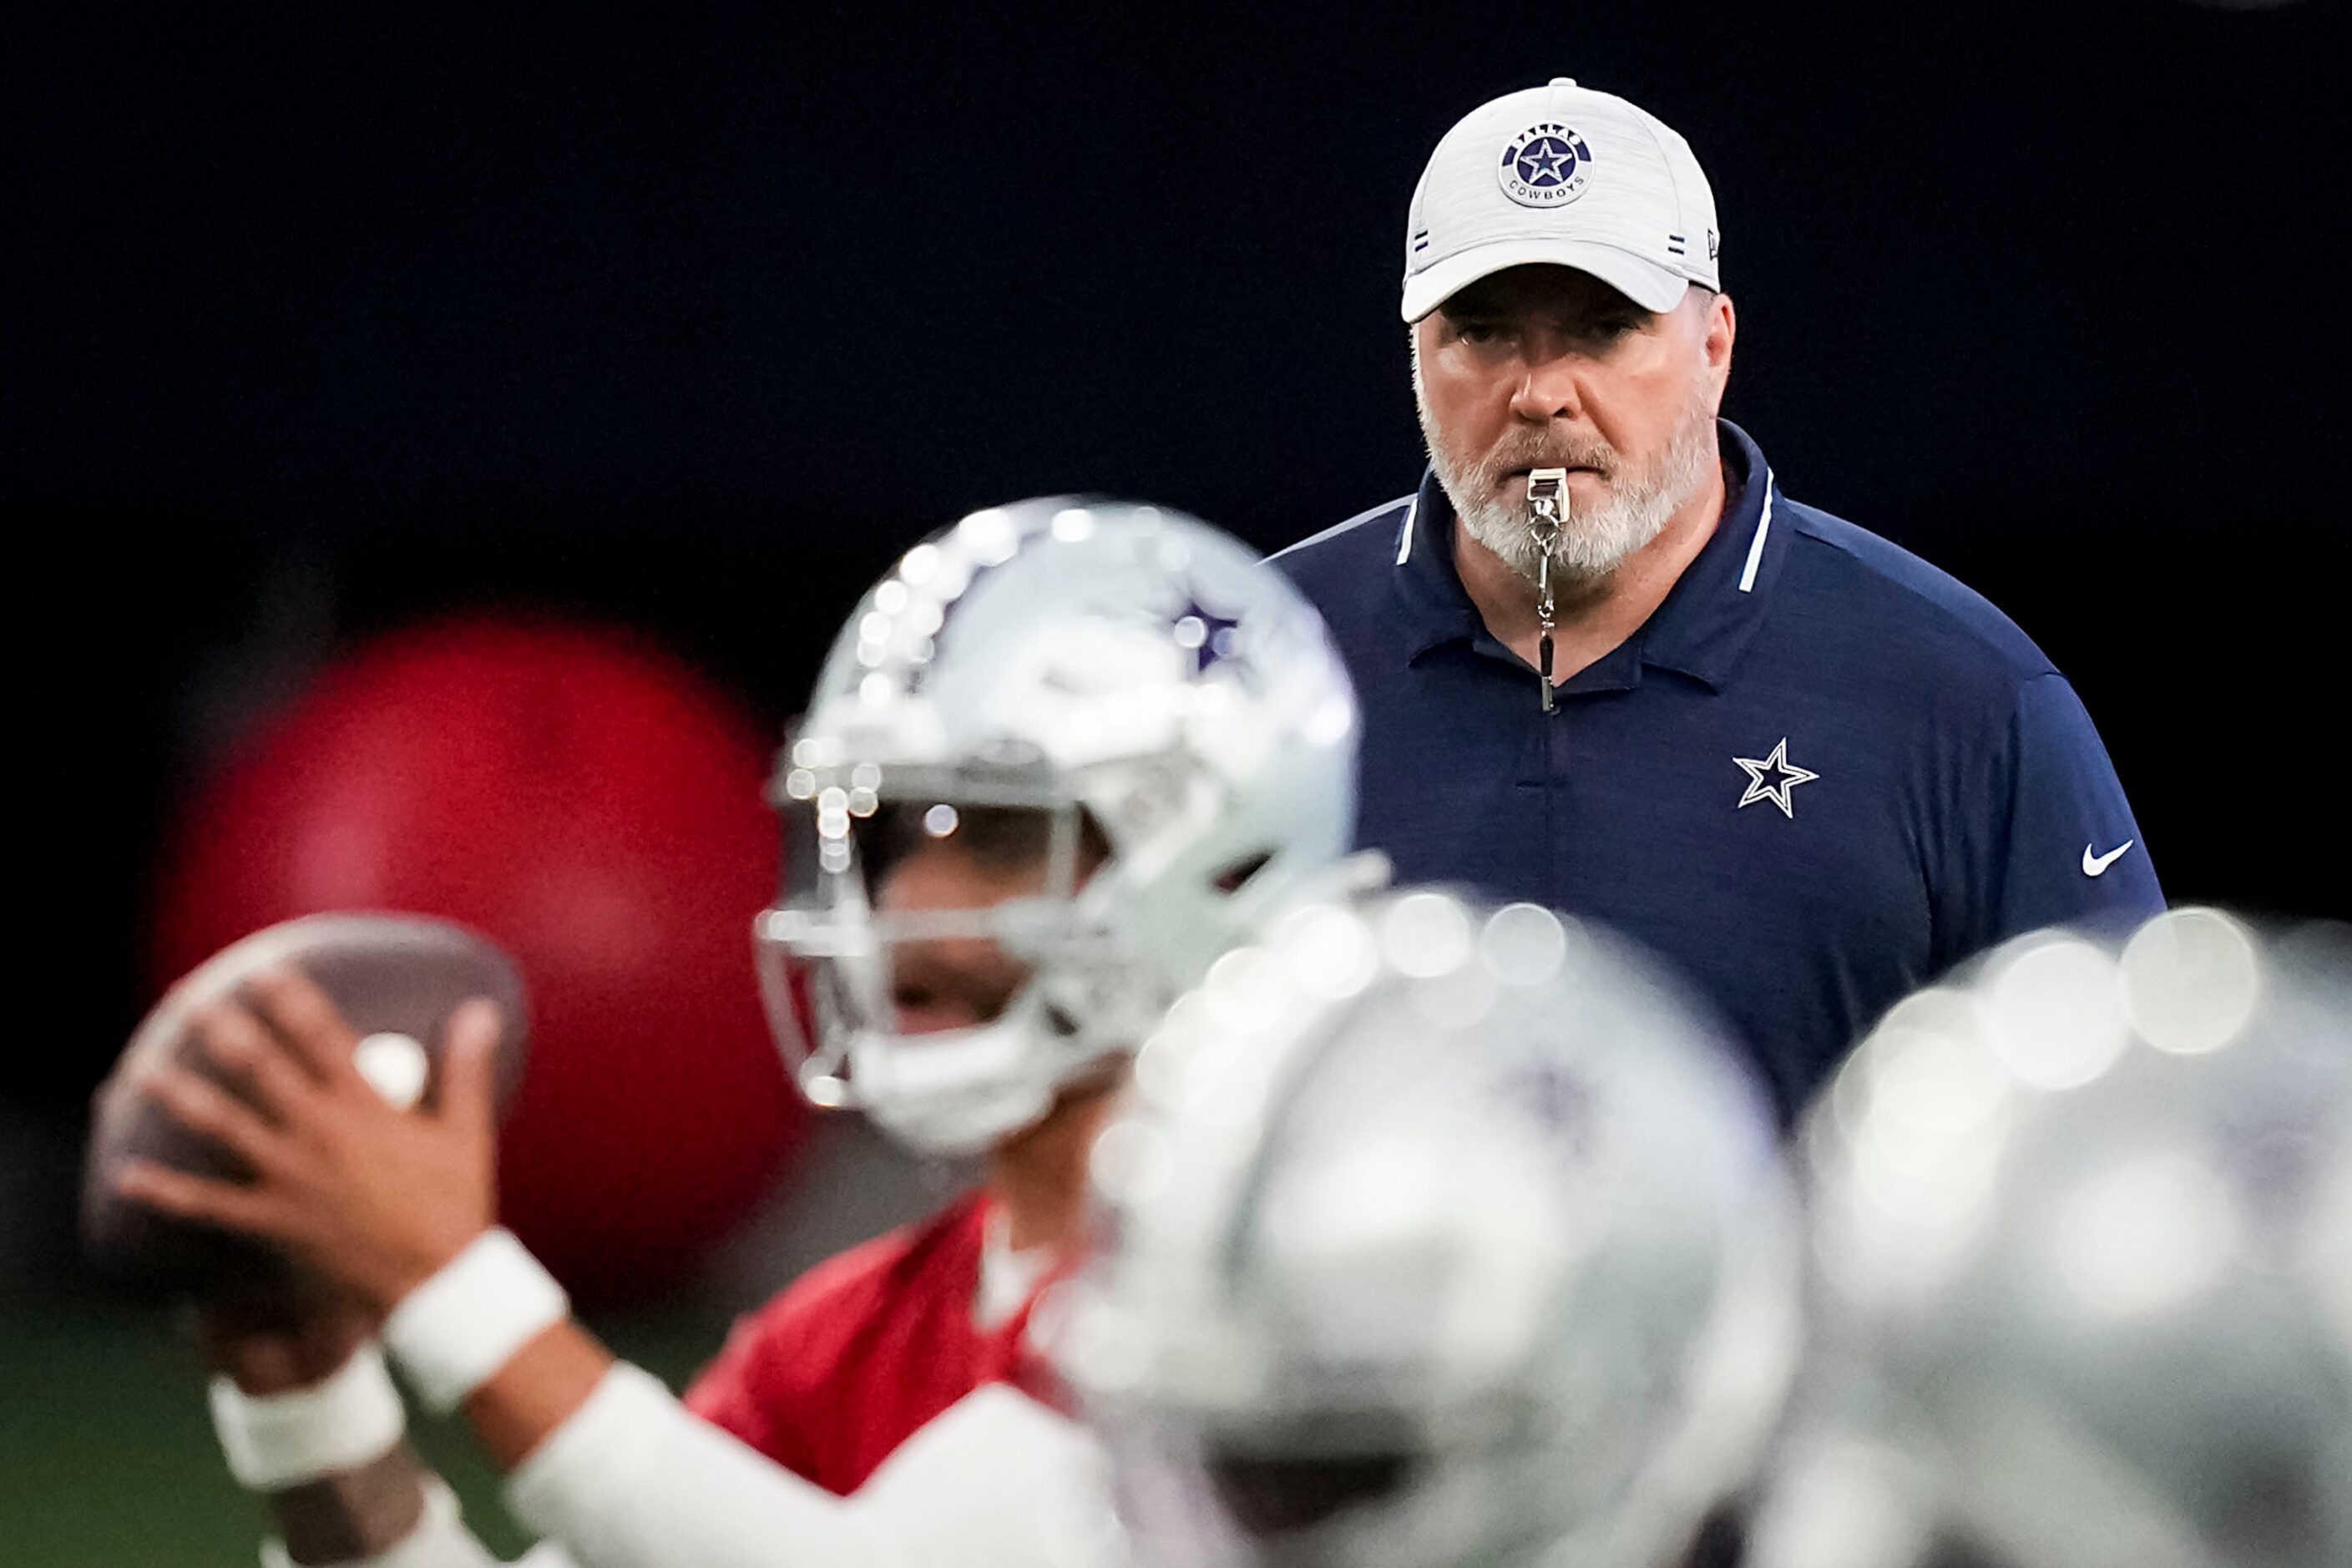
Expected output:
(1722, 327)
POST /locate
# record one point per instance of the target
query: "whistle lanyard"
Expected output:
(1547, 504)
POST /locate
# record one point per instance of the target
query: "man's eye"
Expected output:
(1477, 332)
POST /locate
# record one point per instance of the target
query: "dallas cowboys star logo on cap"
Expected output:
(1543, 165)
(1773, 778)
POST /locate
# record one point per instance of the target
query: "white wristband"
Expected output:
(277, 1440)
(458, 1328)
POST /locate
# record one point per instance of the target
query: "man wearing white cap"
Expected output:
(1607, 667)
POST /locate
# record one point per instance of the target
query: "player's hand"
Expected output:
(373, 1198)
(274, 1355)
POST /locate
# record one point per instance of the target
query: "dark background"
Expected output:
(326, 319)
(323, 320)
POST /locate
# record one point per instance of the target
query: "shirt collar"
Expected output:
(1700, 630)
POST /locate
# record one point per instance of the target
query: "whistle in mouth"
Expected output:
(1548, 500)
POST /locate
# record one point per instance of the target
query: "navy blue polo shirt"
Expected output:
(1821, 774)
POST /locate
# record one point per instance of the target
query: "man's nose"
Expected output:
(1550, 385)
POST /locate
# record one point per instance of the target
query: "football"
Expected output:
(395, 978)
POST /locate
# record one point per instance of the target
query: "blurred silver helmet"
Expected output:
(2084, 1240)
(1433, 1233)
(1121, 699)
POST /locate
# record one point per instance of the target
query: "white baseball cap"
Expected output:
(1561, 173)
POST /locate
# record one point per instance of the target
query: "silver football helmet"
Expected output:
(2083, 1239)
(1141, 739)
(1434, 1232)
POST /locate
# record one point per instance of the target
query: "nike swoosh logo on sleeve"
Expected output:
(2097, 865)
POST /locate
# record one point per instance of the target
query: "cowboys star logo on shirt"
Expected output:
(1773, 778)
(1544, 165)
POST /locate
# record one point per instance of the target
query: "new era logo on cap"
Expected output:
(1566, 175)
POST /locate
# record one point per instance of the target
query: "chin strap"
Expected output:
(1548, 511)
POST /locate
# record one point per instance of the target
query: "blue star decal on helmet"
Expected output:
(1561, 1102)
(1207, 636)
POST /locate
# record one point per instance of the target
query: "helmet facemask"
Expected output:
(908, 965)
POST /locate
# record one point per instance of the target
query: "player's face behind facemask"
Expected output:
(906, 995)
(2083, 1224)
(932, 866)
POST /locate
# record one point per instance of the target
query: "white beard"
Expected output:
(1593, 540)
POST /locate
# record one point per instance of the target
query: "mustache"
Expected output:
(1598, 455)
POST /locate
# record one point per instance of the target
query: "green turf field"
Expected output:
(107, 1457)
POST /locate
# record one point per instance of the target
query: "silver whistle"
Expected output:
(1547, 504)
(1547, 515)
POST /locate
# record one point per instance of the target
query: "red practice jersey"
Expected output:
(866, 1349)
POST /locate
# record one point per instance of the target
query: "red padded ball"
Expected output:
(595, 807)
